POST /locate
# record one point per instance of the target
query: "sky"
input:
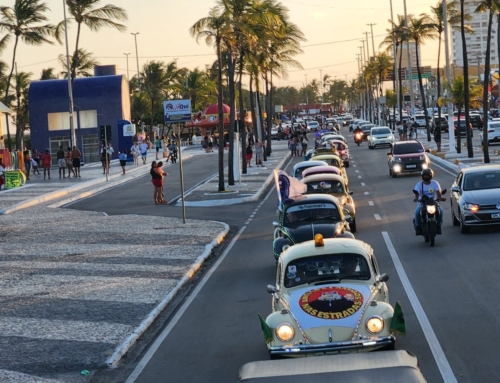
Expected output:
(333, 29)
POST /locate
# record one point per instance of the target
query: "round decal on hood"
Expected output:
(331, 302)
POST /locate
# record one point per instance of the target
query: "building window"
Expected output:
(58, 121)
(88, 119)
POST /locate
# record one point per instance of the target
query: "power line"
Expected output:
(335, 42)
(322, 66)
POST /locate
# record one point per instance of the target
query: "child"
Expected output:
(123, 160)
(34, 165)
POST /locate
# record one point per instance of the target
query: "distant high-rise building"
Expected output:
(413, 56)
(476, 42)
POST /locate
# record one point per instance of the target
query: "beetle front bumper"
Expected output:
(352, 346)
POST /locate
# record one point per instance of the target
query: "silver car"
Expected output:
(475, 197)
(379, 136)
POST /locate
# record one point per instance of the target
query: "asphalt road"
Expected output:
(448, 292)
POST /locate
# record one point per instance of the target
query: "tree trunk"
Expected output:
(485, 143)
(422, 95)
(74, 62)
(400, 87)
(457, 131)
(241, 122)
(221, 115)
(232, 118)
(470, 152)
(7, 86)
(439, 82)
(269, 97)
(252, 107)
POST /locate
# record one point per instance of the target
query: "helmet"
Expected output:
(427, 172)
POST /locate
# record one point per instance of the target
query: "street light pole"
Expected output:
(378, 95)
(307, 96)
(396, 71)
(322, 84)
(137, 59)
(70, 86)
(373, 42)
(126, 54)
(410, 70)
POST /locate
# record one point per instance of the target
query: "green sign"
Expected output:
(415, 76)
(14, 179)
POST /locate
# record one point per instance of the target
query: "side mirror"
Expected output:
(276, 224)
(443, 192)
(383, 277)
(271, 289)
(415, 192)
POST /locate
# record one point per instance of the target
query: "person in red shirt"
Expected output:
(46, 163)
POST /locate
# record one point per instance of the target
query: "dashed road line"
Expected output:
(377, 217)
(371, 203)
(363, 184)
(360, 177)
(367, 193)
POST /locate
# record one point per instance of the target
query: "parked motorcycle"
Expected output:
(358, 138)
(429, 216)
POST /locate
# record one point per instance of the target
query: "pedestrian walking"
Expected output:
(135, 150)
(304, 142)
(76, 156)
(159, 168)
(36, 156)
(259, 152)
(34, 166)
(61, 162)
(399, 128)
(27, 162)
(69, 163)
(144, 152)
(437, 137)
(157, 146)
(249, 154)
(405, 130)
(123, 160)
(46, 163)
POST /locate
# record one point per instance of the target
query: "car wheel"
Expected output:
(463, 229)
(454, 219)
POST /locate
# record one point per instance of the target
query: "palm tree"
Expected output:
(211, 29)
(25, 20)
(420, 29)
(453, 16)
(459, 96)
(83, 68)
(21, 84)
(490, 6)
(48, 74)
(85, 12)
(197, 86)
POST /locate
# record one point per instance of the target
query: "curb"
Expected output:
(235, 201)
(122, 349)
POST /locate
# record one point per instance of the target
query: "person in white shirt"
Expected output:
(135, 150)
(144, 151)
(431, 189)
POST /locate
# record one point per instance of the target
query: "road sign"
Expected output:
(177, 111)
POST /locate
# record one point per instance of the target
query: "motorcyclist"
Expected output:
(431, 189)
(356, 131)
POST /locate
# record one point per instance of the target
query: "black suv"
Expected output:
(477, 121)
(407, 157)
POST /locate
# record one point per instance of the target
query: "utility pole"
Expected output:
(368, 100)
(410, 71)
(451, 128)
(137, 59)
(307, 95)
(70, 85)
(358, 57)
(373, 42)
(367, 46)
(126, 54)
(396, 71)
(322, 84)
(378, 95)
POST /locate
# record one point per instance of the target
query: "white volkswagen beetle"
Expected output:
(330, 298)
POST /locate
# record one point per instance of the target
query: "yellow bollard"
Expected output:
(442, 155)
(457, 162)
(434, 152)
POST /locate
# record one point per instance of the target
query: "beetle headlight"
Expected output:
(374, 325)
(285, 332)
(286, 246)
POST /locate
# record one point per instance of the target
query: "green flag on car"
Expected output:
(398, 324)
(266, 330)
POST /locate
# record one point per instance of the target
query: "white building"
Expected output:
(476, 43)
(413, 55)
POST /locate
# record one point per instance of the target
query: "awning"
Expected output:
(4, 109)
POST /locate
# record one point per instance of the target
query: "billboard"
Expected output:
(177, 111)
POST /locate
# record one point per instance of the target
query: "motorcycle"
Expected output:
(428, 216)
(358, 138)
(173, 156)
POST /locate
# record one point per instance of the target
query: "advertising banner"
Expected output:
(177, 111)
(14, 178)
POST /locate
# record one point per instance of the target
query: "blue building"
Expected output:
(100, 100)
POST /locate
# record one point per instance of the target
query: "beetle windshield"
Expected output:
(325, 187)
(326, 267)
(311, 212)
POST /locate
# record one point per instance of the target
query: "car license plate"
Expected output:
(497, 215)
(411, 166)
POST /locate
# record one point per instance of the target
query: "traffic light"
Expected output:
(102, 135)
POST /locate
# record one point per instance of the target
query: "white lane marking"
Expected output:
(367, 193)
(371, 203)
(430, 335)
(354, 165)
(360, 177)
(357, 171)
(363, 184)
(152, 350)
(377, 217)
